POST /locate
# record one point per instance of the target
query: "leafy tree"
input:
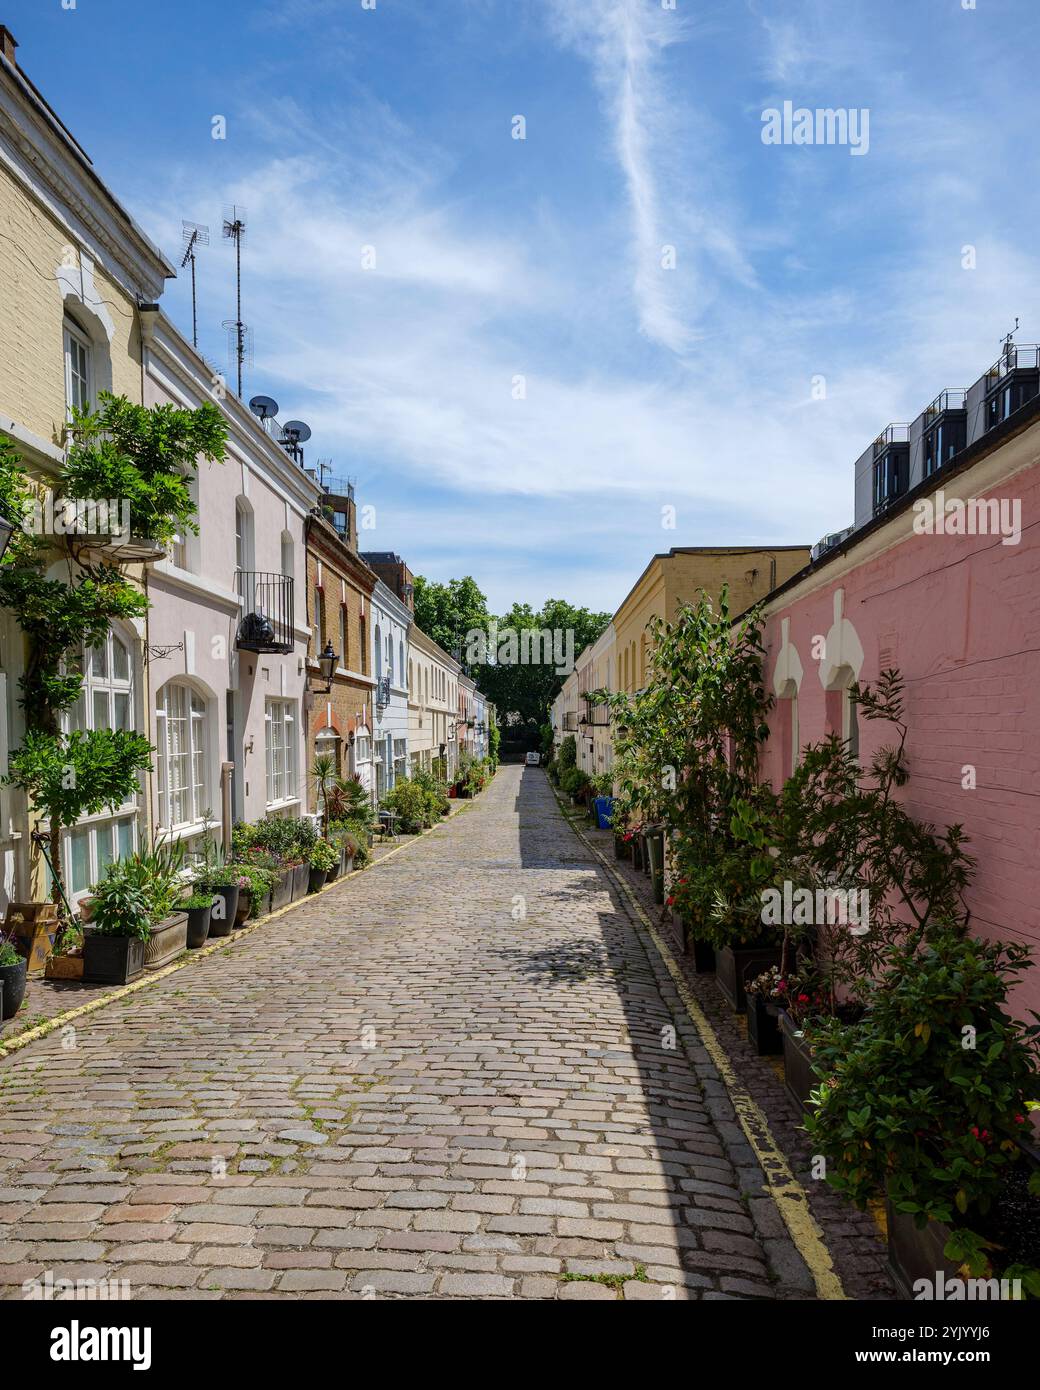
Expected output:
(524, 689)
(450, 612)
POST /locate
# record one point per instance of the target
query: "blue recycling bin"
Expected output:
(604, 810)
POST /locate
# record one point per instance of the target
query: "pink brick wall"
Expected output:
(960, 617)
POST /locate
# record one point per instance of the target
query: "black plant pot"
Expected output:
(734, 965)
(111, 960)
(637, 852)
(763, 1027)
(704, 958)
(317, 880)
(622, 847)
(799, 1077)
(198, 926)
(12, 988)
(245, 906)
(225, 909)
(301, 875)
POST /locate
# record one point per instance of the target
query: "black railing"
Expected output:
(266, 624)
(383, 692)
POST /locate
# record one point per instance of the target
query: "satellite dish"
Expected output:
(264, 407)
(296, 431)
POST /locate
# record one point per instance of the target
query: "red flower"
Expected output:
(669, 902)
(1020, 1119)
(803, 999)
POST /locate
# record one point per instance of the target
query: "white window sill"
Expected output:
(273, 806)
(185, 832)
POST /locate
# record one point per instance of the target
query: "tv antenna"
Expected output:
(239, 346)
(234, 230)
(295, 433)
(1007, 343)
(195, 235)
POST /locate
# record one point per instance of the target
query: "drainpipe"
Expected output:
(226, 813)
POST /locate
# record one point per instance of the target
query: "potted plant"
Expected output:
(198, 907)
(925, 1100)
(765, 994)
(222, 884)
(323, 858)
(114, 945)
(66, 962)
(13, 967)
(254, 890)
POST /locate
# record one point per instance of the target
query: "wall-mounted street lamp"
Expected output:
(6, 532)
(327, 663)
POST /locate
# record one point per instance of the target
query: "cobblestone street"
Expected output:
(448, 1077)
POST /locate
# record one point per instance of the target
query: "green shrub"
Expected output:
(411, 803)
(926, 1096)
(323, 856)
(122, 905)
(198, 900)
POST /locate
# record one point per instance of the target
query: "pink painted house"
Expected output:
(955, 607)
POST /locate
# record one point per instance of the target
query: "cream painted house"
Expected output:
(433, 704)
(74, 267)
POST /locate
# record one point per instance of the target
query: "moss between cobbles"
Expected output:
(610, 1281)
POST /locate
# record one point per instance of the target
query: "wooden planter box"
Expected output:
(799, 1077)
(35, 928)
(763, 1027)
(736, 964)
(64, 968)
(113, 960)
(168, 939)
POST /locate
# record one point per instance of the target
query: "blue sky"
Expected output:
(646, 388)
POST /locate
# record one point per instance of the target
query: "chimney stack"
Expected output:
(8, 44)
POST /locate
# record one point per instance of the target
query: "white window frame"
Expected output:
(281, 725)
(73, 338)
(82, 716)
(191, 710)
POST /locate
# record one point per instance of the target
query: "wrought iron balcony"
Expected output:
(266, 624)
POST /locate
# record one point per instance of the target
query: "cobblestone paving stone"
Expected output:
(446, 1078)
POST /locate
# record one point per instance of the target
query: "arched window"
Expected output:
(181, 729)
(288, 556)
(106, 701)
(400, 661)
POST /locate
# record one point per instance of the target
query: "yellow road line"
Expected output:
(786, 1191)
